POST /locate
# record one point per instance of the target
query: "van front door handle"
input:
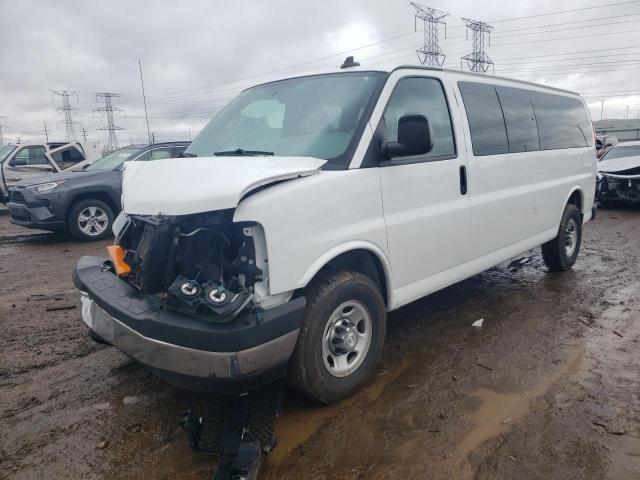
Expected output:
(463, 180)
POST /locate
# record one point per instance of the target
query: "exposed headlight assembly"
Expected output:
(45, 187)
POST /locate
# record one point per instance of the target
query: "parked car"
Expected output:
(316, 204)
(604, 143)
(82, 203)
(28, 160)
(619, 174)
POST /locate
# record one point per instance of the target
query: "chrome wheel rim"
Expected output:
(347, 338)
(93, 221)
(570, 237)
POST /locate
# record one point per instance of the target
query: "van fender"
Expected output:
(337, 250)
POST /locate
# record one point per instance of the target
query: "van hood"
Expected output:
(182, 186)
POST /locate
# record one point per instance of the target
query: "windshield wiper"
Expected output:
(242, 153)
(185, 154)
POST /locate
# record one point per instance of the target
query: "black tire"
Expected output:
(554, 252)
(308, 374)
(77, 208)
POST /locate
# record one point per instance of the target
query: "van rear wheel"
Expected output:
(341, 339)
(561, 253)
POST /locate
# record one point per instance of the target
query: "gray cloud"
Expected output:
(184, 46)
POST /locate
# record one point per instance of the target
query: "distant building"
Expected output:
(623, 130)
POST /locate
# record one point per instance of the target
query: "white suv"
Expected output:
(316, 204)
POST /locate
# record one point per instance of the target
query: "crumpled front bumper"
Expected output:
(617, 187)
(243, 354)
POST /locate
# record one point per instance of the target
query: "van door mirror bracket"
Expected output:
(414, 137)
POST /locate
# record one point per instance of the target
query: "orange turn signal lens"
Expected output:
(116, 255)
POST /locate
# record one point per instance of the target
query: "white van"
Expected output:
(316, 204)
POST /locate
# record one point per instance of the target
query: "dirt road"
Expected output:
(547, 388)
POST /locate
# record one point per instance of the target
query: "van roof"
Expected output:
(391, 67)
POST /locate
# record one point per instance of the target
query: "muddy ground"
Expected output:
(548, 388)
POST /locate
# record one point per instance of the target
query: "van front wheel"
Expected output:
(341, 338)
(561, 253)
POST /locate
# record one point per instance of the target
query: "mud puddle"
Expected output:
(499, 410)
(625, 459)
(301, 419)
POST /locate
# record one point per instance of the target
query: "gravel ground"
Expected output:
(548, 388)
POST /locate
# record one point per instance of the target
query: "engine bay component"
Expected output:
(202, 265)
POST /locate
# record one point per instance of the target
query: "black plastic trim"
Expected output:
(145, 315)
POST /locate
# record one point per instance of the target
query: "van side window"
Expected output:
(522, 130)
(486, 123)
(562, 121)
(424, 96)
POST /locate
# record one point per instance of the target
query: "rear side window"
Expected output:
(522, 130)
(424, 96)
(67, 158)
(486, 123)
(155, 154)
(562, 121)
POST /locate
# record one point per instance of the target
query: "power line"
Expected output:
(68, 111)
(566, 11)
(570, 66)
(111, 127)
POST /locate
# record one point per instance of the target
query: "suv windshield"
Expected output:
(114, 159)
(5, 151)
(620, 151)
(315, 116)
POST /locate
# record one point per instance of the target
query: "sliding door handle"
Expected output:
(463, 180)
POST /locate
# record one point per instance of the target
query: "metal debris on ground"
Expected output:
(478, 323)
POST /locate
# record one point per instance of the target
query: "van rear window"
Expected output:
(562, 121)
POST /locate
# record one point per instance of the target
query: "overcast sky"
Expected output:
(196, 54)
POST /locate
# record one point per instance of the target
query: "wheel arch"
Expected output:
(576, 197)
(364, 257)
(95, 195)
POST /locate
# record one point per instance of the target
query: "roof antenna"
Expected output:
(349, 62)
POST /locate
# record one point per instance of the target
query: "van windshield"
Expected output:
(316, 116)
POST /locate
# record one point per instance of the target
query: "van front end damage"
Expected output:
(187, 297)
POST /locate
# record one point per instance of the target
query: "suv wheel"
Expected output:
(90, 220)
(341, 339)
(561, 253)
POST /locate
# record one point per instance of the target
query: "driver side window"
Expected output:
(424, 96)
(30, 156)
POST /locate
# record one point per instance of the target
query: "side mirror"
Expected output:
(609, 145)
(414, 137)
